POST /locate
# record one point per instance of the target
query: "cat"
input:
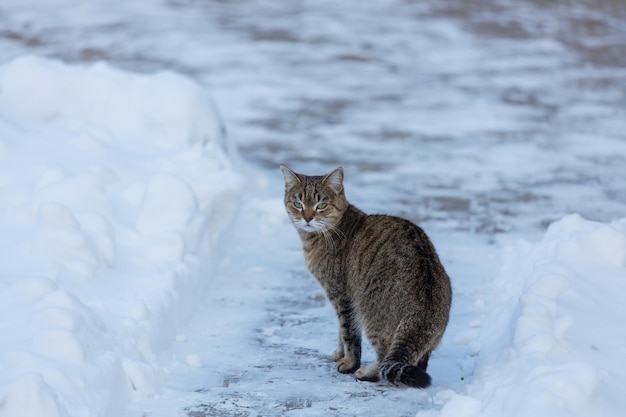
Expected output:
(381, 274)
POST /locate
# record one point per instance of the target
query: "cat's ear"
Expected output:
(335, 180)
(291, 178)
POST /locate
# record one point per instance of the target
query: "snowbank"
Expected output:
(554, 333)
(114, 189)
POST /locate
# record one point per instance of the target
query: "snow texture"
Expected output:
(115, 189)
(149, 269)
(555, 334)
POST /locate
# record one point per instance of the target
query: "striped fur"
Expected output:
(382, 275)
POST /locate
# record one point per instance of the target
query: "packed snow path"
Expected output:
(263, 340)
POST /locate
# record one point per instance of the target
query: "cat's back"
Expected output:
(380, 234)
(392, 248)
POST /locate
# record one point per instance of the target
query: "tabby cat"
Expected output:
(381, 274)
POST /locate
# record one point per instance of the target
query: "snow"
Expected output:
(115, 192)
(556, 336)
(148, 266)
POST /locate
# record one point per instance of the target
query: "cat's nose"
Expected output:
(307, 216)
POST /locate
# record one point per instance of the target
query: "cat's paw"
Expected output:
(367, 374)
(347, 366)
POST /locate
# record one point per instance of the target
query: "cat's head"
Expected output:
(314, 203)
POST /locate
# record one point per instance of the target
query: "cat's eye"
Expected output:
(321, 206)
(297, 204)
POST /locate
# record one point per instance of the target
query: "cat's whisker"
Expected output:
(335, 229)
(330, 244)
(327, 228)
(331, 240)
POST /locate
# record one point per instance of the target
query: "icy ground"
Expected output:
(149, 270)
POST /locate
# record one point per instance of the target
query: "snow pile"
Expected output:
(167, 108)
(555, 330)
(114, 190)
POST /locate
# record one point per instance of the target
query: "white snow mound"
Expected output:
(163, 109)
(554, 331)
(114, 190)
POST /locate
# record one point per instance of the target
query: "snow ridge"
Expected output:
(114, 191)
(554, 331)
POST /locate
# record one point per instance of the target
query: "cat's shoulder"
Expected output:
(385, 221)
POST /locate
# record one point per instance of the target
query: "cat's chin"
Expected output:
(308, 228)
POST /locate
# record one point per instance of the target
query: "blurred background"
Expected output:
(482, 116)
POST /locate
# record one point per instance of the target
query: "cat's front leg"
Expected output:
(338, 354)
(348, 353)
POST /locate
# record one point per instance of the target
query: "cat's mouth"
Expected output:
(309, 227)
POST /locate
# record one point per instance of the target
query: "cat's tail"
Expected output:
(399, 373)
